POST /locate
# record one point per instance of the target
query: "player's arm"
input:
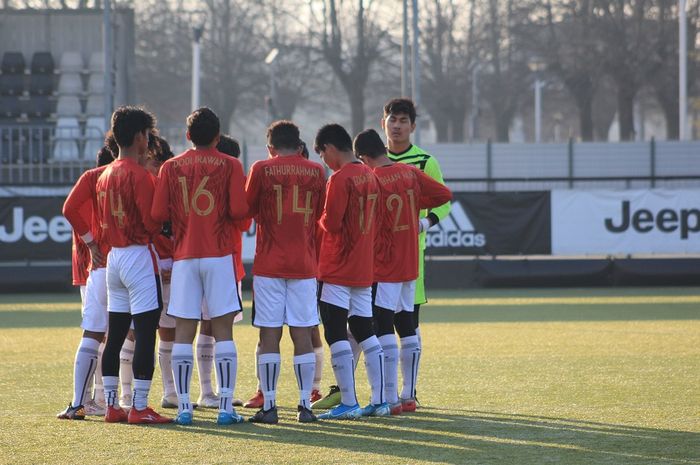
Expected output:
(337, 197)
(76, 200)
(432, 193)
(145, 190)
(160, 210)
(252, 192)
(237, 204)
(432, 169)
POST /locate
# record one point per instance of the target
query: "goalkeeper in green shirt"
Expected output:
(399, 122)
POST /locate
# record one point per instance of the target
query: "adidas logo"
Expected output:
(455, 230)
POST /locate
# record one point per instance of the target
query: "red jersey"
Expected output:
(124, 197)
(80, 209)
(201, 192)
(286, 195)
(405, 191)
(239, 227)
(353, 201)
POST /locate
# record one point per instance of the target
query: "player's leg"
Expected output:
(385, 301)
(119, 323)
(223, 302)
(335, 306)
(126, 370)
(318, 355)
(410, 352)
(257, 400)
(166, 338)
(205, 362)
(362, 327)
(140, 276)
(185, 306)
(301, 316)
(269, 295)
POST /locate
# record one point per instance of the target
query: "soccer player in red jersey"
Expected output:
(405, 191)
(346, 270)
(285, 195)
(202, 192)
(89, 273)
(205, 341)
(159, 153)
(125, 194)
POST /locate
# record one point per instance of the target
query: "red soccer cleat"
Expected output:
(146, 416)
(116, 415)
(396, 408)
(315, 395)
(408, 405)
(256, 401)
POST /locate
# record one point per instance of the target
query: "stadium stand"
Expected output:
(13, 63)
(94, 136)
(70, 84)
(71, 62)
(42, 63)
(66, 140)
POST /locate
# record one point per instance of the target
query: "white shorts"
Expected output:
(196, 279)
(95, 315)
(280, 301)
(166, 321)
(396, 296)
(132, 284)
(357, 300)
(239, 314)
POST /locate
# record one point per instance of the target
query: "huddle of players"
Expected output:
(358, 229)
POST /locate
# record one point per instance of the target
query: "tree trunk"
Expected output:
(584, 103)
(457, 123)
(356, 95)
(670, 108)
(502, 127)
(625, 110)
(441, 126)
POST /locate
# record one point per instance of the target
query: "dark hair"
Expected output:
(304, 150)
(369, 143)
(111, 143)
(333, 134)
(399, 106)
(104, 156)
(283, 135)
(203, 126)
(161, 151)
(229, 146)
(128, 121)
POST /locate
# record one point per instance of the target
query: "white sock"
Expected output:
(343, 368)
(141, 389)
(111, 386)
(356, 350)
(183, 363)
(126, 366)
(205, 361)
(420, 339)
(304, 368)
(99, 392)
(165, 353)
(410, 359)
(84, 369)
(318, 372)
(226, 366)
(257, 362)
(374, 364)
(269, 370)
(391, 367)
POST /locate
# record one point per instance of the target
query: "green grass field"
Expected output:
(508, 377)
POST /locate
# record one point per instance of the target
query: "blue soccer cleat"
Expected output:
(342, 412)
(377, 410)
(184, 418)
(226, 418)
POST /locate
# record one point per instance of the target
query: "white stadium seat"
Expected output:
(66, 141)
(68, 105)
(94, 135)
(70, 84)
(71, 62)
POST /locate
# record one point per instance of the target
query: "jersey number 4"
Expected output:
(306, 210)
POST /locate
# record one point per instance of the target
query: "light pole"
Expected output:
(682, 72)
(474, 114)
(270, 62)
(537, 66)
(197, 31)
(107, 54)
(415, 66)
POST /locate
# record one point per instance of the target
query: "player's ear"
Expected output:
(382, 122)
(413, 127)
(187, 134)
(216, 140)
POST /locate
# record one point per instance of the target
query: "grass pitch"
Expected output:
(507, 377)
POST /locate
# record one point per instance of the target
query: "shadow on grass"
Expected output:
(461, 436)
